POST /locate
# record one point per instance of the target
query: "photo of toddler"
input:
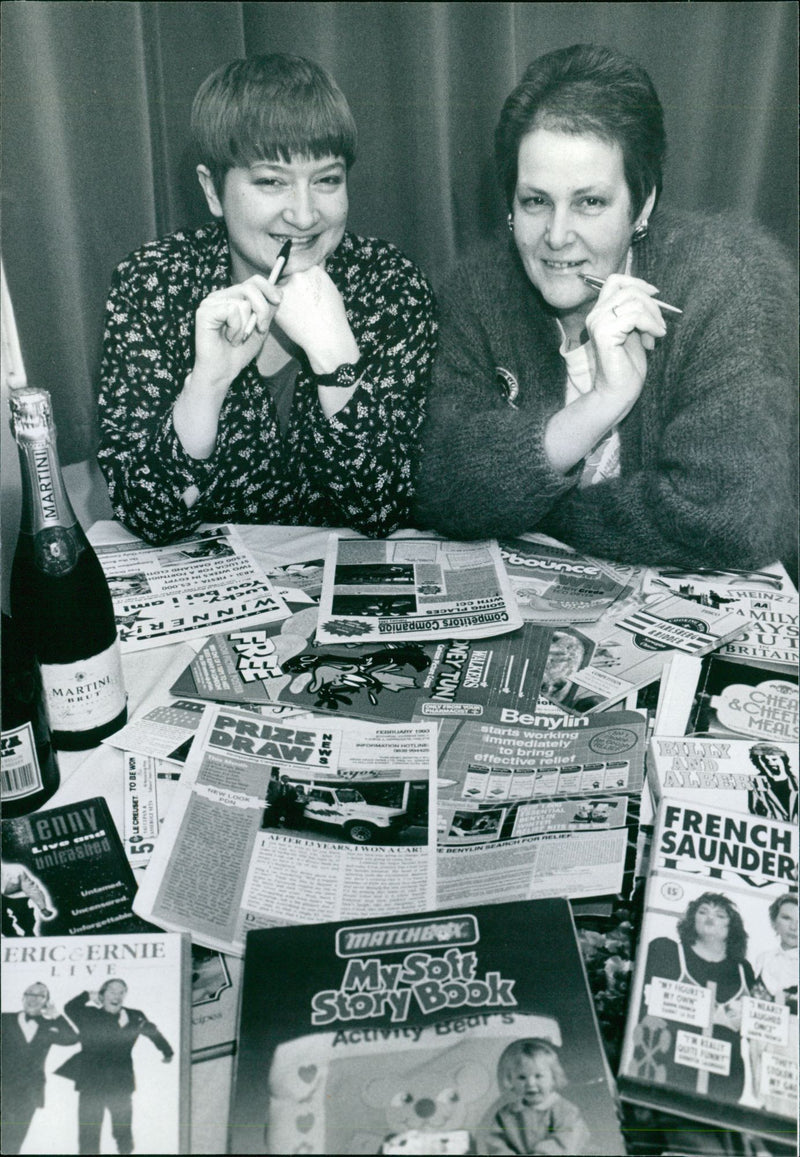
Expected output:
(533, 1117)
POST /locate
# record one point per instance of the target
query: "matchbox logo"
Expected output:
(395, 935)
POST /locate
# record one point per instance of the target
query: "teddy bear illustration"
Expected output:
(426, 1109)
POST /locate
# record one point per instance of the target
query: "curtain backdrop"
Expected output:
(96, 157)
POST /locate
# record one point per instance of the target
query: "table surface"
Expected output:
(148, 678)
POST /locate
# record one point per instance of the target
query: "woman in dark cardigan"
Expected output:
(598, 417)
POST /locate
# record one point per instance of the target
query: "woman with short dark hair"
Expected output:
(710, 954)
(592, 412)
(234, 390)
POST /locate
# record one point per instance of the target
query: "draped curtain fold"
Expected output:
(96, 156)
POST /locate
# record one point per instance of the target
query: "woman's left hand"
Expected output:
(623, 327)
(312, 315)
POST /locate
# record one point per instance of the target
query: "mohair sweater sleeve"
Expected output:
(708, 473)
(482, 471)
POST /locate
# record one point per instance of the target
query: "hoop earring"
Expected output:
(641, 231)
(510, 221)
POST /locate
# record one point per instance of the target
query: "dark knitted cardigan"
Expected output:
(708, 459)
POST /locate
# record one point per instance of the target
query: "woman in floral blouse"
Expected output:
(225, 397)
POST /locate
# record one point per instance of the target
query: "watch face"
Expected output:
(345, 375)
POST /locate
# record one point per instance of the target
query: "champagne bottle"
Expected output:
(59, 594)
(28, 765)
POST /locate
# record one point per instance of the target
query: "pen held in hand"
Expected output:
(277, 270)
(599, 282)
(280, 261)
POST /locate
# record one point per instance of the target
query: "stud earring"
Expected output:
(510, 221)
(641, 231)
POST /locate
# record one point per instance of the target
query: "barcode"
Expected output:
(15, 780)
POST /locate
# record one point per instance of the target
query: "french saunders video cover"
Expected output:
(712, 1019)
(460, 1031)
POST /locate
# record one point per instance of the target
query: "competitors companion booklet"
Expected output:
(110, 1029)
(414, 588)
(415, 1035)
(712, 1020)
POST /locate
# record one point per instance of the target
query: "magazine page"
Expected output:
(546, 807)
(299, 584)
(553, 584)
(383, 681)
(284, 823)
(187, 589)
(167, 730)
(759, 777)
(416, 1034)
(96, 1029)
(712, 1025)
(596, 665)
(407, 588)
(717, 587)
(772, 639)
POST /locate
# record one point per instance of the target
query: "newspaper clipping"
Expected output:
(544, 806)
(186, 590)
(282, 822)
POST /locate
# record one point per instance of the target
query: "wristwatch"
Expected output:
(343, 376)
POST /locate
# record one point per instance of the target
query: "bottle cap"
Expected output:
(31, 413)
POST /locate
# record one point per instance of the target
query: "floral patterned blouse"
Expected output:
(353, 469)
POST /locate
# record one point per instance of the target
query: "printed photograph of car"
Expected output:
(393, 812)
(346, 808)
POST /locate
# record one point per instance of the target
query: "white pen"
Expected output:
(599, 282)
(277, 270)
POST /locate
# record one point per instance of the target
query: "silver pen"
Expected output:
(599, 282)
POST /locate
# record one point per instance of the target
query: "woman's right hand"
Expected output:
(623, 326)
(230, 328)
(231, 325)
